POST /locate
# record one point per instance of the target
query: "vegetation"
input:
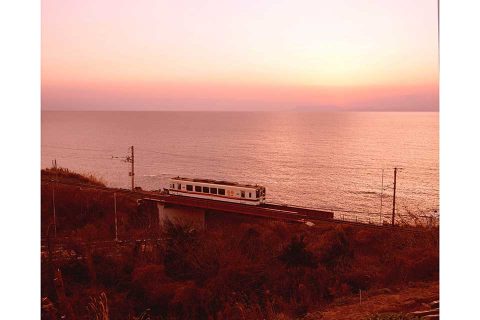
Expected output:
(267, 270)
(65, 175)
(392, 316)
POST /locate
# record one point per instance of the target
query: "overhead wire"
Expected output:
(91, 157)
(126, 191)
(139, 149)
(79, 149)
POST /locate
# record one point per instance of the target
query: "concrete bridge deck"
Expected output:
(271, 211)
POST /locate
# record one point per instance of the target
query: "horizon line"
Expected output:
(206, 110)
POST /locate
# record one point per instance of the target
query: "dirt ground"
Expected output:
(412, 298)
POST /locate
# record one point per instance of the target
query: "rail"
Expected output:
(305, 212)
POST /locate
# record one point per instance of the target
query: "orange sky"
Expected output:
(239, 55)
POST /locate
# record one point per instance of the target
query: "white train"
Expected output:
(217, 190)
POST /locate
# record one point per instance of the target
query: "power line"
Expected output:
(119, 190)
(212, 158)
(89, 186)
(83, 157)
(196, 157)
(189, 157)
(130, 159)
(79, 149)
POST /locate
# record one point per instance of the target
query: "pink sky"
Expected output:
(239, 55)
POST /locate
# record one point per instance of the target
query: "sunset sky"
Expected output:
(239, 55)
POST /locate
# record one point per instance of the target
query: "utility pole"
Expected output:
(115, 208)
(54, 184)
(132, 172)
(381, 200)
(394, 195)
(130, 159)
(54, 213)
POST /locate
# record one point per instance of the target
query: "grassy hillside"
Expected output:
(84, 208)
(65, 175)
(267, 270)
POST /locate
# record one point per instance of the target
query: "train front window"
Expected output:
(213, 190)
(221, 192)
(206, 189)
(189, 187)
(242, 194)
(198, 189)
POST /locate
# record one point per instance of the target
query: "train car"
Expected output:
(217, 190)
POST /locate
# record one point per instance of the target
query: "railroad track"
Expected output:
(266, 210)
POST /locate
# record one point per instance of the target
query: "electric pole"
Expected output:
(394, 191)
(115, 208)
(54, 211)
(130, 159)
(132, 172)
(54, 184)
(381, 201)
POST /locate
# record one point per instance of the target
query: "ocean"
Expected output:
(325, 160)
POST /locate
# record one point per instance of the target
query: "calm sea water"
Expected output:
(322, 160)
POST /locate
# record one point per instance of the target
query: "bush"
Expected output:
(152, 289)
(391, 316)
(188, 256)
(247, 271)
(64, 174)
(296, 255)
(76, 272)
(334, 248)
(113, 272)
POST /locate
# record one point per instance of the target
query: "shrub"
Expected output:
(113, 272)
(296, 255)
(76, 271)
(187, 257)
(152, 289)
(190, 302)
(391, 316)
(264, 270)
(64, 174)
(334, 248)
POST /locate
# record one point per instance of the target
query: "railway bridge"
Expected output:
(207, 212)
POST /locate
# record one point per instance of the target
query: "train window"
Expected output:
(213, 190)
(242, 194)
(198, 189)
(249, 194)
(205, 189)
(258, 193)
(221, 191)
(179, 186)
(189, 187)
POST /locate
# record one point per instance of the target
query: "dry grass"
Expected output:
(250, 271)
(256, 271)
(381, 305)
(66, 175)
